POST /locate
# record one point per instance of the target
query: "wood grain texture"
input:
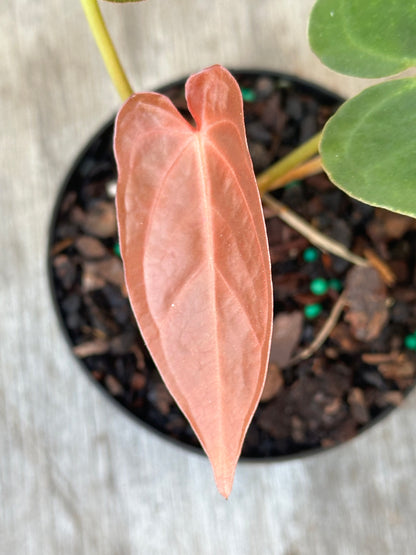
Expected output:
(76, 475)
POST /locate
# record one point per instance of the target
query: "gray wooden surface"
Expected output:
(76, 475)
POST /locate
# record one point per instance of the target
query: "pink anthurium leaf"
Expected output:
(196, 258)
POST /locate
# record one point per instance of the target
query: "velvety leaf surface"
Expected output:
(196, 259)
(365, 38)
(123, 1)
(369, 146)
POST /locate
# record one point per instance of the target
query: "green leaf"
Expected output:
(123, 1)
(365, 38)
(369, 146)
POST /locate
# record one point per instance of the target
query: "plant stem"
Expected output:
(315, 237)
(323, 333)
(309, 168)
(381, 266)
(295, 158)
(106, 47)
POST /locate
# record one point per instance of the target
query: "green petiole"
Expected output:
(301, 154)
(106, 47)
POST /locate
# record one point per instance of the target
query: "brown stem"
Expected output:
(316, 237)
(323, 332)
(381, 266)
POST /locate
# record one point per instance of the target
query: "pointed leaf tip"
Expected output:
(196, 259)
(224, 483)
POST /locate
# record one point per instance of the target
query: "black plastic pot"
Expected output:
(96, 320)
